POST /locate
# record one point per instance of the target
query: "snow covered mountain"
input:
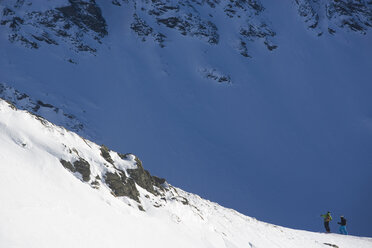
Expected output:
(269, 100)
(61, 190)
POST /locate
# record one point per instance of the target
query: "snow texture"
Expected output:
(45, 205)
(241, 102)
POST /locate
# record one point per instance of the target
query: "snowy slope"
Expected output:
(269, 100)
(46, 205)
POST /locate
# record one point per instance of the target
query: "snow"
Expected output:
(292, 128)
(45, 205)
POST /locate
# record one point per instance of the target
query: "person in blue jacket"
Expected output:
(342, 224)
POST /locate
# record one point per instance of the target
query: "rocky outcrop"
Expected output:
(144, 31)
(250, 33)
(84, 14)
(353, 15)
(143, 178)
(38, 107)
(215, 75)
(192, 25)
(105, 153)
(122, 182)
(80, 23)
(81, 166)
(186, 18)
(122, 185)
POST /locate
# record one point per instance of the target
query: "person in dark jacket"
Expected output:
(327, 218)
(342, 224)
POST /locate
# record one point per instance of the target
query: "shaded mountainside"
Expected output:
(79, 23)
(40, 108)
(124, 203)
(328, 16)
(122, 174)
(82, 24)
(243, 92)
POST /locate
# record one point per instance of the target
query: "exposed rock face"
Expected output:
(215, 75)
(143, 178)
(122, 182)
(86, 15)
(125, 177)
(105, 153)
(181, 16)
(185, 17)
(144, 31)
(355, 15)
(79, 23)
(122, 185)
(38, 107)
(81, 166)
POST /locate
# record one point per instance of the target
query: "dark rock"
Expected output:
(116, 2)
(26, 42)
(68, 165)
(143, 178)
(261, 31)
(332, 245)
(192, 25)
(216, 76)
(354, 15)
(86, 48)
(270, 46)
(124, 156)
(21, 96)
(74, 23)
(36, 108)
(181, 199)
(234, 6)
(45, 37)
(85, 15)
(7, 11)
(11, 105)
(95, 184)
(83, 167)
(121, 185)
(141, 28)
(46, 105)
(158, 180)
(160, 39)
(141, 208)
(41, 120)
(105, 153)
(331, 31)
(71, 61)
(243, 49)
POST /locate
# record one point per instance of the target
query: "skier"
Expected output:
(327, 218)
(342, 224)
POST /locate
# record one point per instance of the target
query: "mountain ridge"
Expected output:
(172, 213)
(82, 23)
(202, 109)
